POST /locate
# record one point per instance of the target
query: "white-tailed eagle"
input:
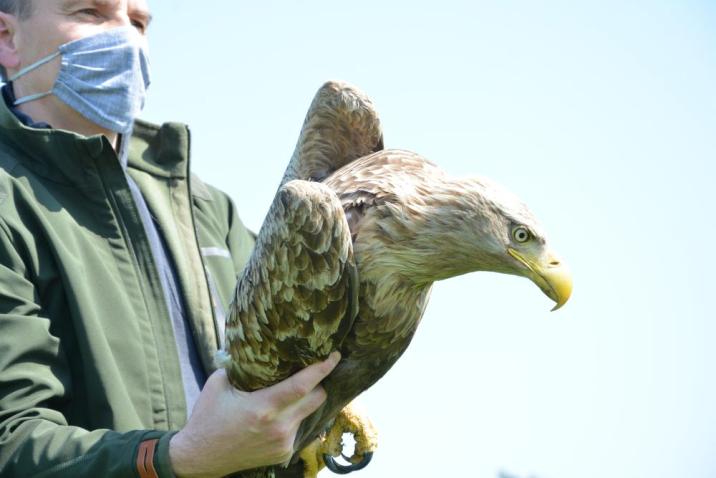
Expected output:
(349, 250)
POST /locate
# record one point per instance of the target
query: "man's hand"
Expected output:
(230, 430)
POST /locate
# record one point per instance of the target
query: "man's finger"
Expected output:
(298, 411)
(302, 383)
(310, 403)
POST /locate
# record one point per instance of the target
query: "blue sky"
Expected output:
(600, 115)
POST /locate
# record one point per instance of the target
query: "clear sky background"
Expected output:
(601, 115)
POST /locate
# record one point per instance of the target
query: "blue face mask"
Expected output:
(104, 77)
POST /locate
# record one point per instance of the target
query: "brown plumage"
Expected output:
(346, 204)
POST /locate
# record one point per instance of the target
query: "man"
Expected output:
(115, 264)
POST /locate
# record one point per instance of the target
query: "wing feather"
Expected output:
(341, 125)
(297, 297)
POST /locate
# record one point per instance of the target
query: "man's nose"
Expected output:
(122, 21)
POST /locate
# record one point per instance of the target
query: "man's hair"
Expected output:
(22, 9)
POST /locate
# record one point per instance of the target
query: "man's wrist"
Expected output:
(183, 464)
(162, 461)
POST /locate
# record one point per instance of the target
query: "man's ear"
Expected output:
(9, 57)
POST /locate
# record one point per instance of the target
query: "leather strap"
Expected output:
(145, 459)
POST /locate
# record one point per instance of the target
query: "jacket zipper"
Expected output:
(197, 246)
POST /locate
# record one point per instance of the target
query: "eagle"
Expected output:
(346, 258)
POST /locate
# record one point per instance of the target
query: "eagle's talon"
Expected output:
(339, 469)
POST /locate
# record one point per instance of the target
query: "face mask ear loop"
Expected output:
(35, 65)
(27, 69)
(27, 99)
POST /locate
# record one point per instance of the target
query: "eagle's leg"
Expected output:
(312, 458)
(366, 438)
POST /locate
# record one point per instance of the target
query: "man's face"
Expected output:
(55, 22)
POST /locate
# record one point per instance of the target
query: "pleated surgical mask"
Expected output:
(104, 77)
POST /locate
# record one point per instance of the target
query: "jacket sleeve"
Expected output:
(35, 438)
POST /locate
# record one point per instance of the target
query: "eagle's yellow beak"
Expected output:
(550, 274)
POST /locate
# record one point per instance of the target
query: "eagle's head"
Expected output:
(467, 225)
(509, 234)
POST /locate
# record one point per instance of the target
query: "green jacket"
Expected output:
(89, 372)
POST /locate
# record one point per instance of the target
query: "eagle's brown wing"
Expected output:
(341, 125)
(297, 297)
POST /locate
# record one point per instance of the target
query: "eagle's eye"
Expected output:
(521, 234)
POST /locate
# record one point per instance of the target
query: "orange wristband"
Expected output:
(145, 459)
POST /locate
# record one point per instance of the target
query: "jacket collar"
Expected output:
(8, 94)
(160, 150)
(67, 157)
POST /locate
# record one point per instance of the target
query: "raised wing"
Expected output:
(298, 295)
(341, 125)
